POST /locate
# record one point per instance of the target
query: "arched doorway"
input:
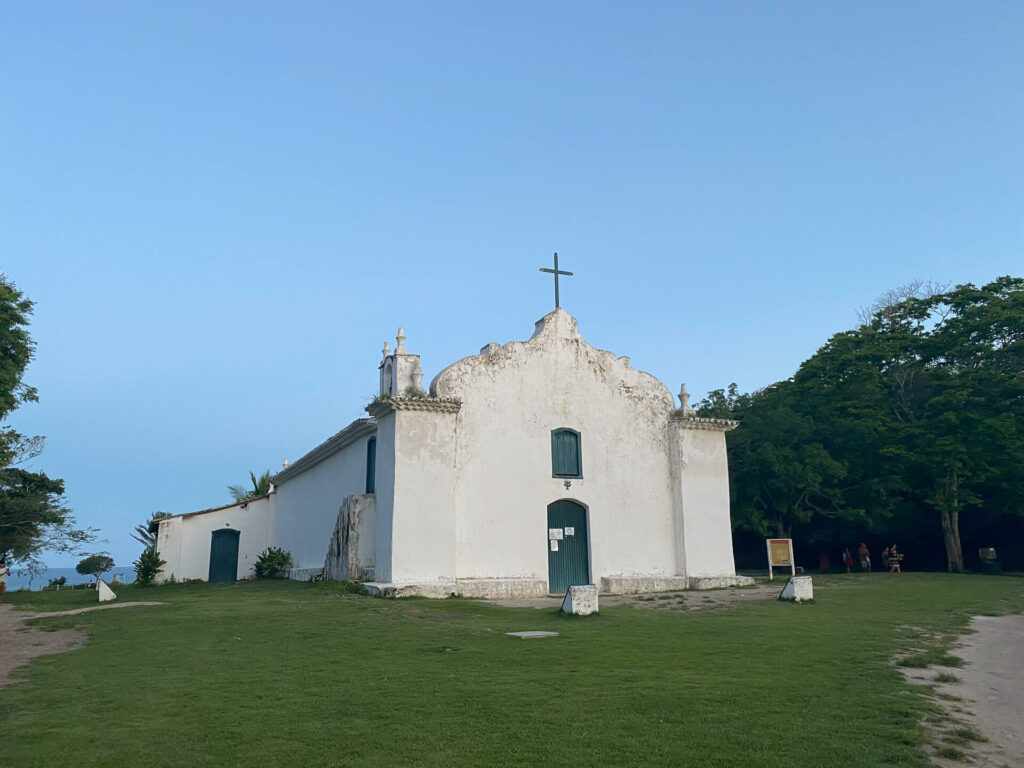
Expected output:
(224, 555)
(568, 546)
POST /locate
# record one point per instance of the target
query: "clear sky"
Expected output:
(222, 210)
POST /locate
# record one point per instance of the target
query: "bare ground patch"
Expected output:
(20, 644)
(979, 704)
(683, 600)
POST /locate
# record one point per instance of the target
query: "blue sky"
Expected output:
(222, 210)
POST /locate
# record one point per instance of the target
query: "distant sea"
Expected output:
(19, 579)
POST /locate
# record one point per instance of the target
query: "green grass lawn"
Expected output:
(290, 674)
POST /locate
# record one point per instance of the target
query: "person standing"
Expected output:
(865, 557)
(895, 559)
(4, 570)
(847, 559)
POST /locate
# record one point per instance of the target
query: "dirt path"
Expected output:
(684, 600)
(20, 644)
(990, 686)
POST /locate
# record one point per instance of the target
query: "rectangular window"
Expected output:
(371, 465)
(566, 458)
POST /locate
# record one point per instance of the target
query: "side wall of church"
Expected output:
(513, 396)
(308, 504)
(184, 542)
(423, 511)
(702, 497)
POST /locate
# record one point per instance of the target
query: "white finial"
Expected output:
(285, 463)
(684, 401)
(400, 349)
(386, 351)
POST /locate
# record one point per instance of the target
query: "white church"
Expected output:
(525, 469)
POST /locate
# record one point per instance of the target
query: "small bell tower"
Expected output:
(399, 371)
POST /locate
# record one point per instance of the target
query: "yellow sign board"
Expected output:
(778, 550)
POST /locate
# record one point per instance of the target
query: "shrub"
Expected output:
(58, 582)
(272, 563)
(148, 566)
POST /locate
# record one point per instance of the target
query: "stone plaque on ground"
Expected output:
(799, 589)
(531, 634)
(581, 600)
(105, 592)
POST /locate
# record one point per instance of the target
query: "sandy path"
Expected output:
(684, 600)
(992, 682)
(991, 686)
(19, 644)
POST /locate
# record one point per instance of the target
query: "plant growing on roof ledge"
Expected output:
(260, 487)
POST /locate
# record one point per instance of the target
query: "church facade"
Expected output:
(527, 468)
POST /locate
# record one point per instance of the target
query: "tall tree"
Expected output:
(33, 517)
(919, 411)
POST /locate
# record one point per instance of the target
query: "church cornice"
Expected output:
(696, 422)
(357, 429)
(388, 403)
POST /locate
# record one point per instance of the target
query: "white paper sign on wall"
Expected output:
(570, 531)
(555, 533)
(554, 545)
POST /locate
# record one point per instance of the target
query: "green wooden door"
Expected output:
(569, 564)
(224, 555)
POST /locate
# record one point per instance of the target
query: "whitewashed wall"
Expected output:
(513, 397)
(308, 503)
(184, 541)
(423, 543)
(705, 528)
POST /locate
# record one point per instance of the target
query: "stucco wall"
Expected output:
(704, 495)
(423, 513)
(184, 541)
(513, 396)
(308, 503)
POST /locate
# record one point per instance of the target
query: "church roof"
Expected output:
(153, 524)
(354, 431)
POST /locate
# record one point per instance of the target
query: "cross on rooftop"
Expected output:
(556, 272)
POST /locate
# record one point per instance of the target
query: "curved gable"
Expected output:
(555, 351)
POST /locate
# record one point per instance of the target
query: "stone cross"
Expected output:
(556, 272)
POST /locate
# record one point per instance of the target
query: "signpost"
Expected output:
(780, 555)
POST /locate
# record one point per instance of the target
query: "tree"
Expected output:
(925, 403)
(915, 417)
(260, 487)
(95, 565)
(33, 517)
(780, 472)
(145, 533)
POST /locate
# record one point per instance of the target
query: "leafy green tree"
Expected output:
(260, 487)
(95, 565)
(913, 418)
(780, 472)
(33, 517)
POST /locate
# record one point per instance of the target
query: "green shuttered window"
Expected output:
(566, 458)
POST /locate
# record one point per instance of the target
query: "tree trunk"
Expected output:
(950, 514)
